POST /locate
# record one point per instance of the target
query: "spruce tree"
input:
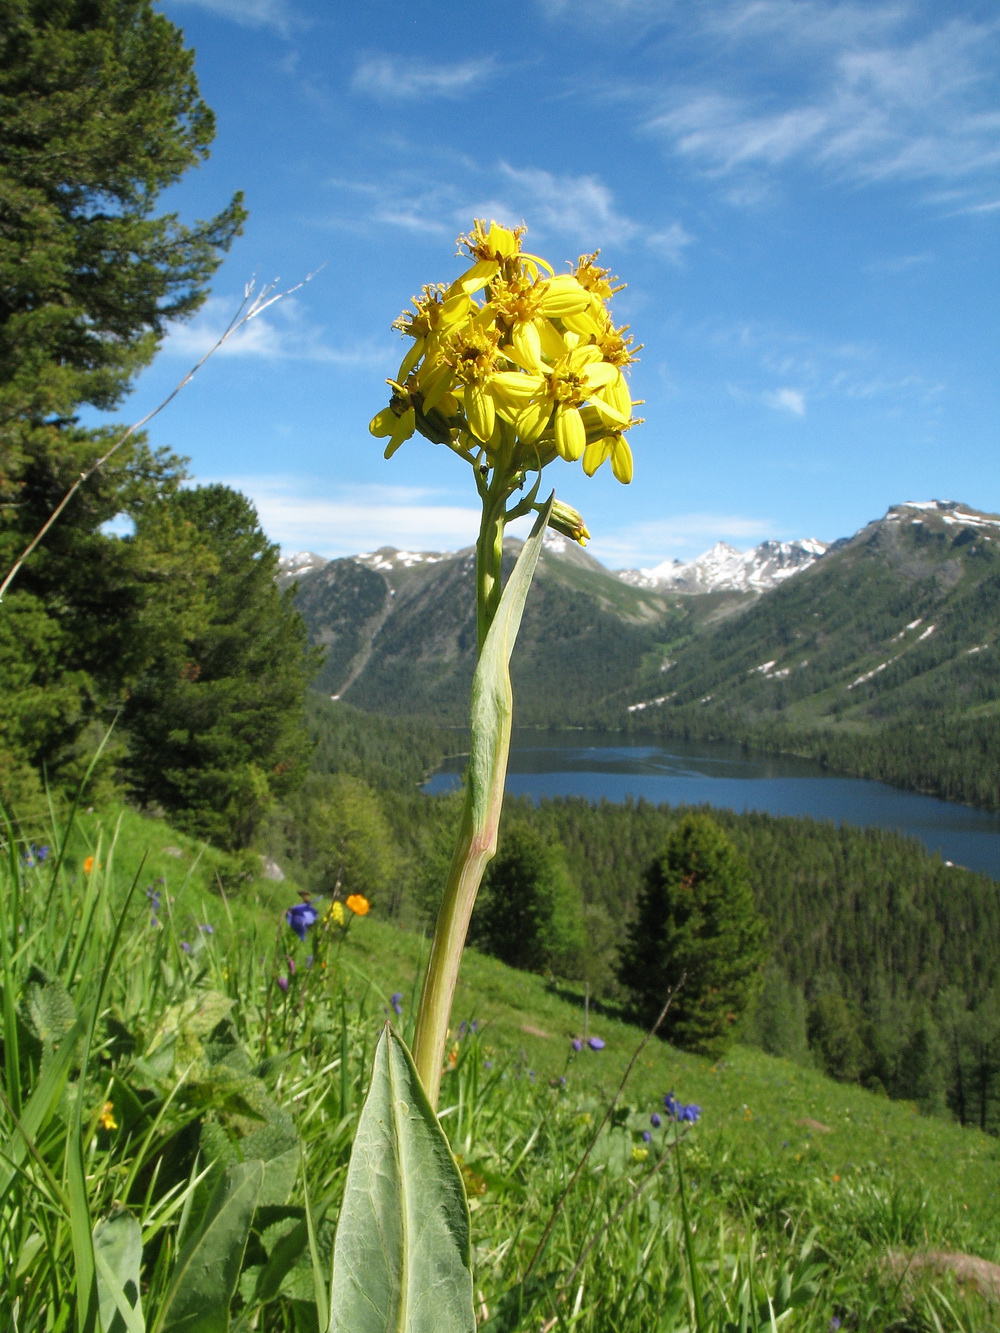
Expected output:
(528, 912)
(697, 932)
(215, 721)
(100, 112)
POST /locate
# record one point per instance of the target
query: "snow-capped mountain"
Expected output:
(723, 568)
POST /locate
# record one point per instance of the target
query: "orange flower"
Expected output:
(88, 865)
(358, 904)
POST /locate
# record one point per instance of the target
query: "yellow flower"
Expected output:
(336, 912)
(107, 1116)
(513, 365)
(639, 1154)
(358, 904)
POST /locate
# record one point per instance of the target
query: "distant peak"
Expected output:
(723, 568)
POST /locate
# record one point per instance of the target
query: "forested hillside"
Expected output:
(880, 658)
(399, 634)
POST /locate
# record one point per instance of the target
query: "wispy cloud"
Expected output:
(579, 209)
(671, 242)
(876, 106)
(283, 333)
(787, 400)
(249, 13)
(392, 78)
(306, 514)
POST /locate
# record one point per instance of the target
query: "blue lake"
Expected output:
(596, 766)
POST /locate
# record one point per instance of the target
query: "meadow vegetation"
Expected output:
(170, 1048)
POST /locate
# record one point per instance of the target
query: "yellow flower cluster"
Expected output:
(514, 364)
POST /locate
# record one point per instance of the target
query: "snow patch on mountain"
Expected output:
(301, 562)
(952, 512)
(387, 558)
(723, 568)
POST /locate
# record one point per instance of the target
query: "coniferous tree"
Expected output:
(834, 1034)
(697, 930)
(216, 723)
(528, 911)
(100, 113)
(339, 833)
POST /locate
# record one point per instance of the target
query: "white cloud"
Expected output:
(787, 400)
(870, 104)
(309, 514)
(394, 78)
(671, 242)
(581, 207)
(248, 13)
(283, 332)
(304, 514)
(580, 210)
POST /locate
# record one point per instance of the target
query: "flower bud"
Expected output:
(569, 521)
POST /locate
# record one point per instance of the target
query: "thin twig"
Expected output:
(540, 1247)
(247, 310)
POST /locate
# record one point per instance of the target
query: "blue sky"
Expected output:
(803, 197)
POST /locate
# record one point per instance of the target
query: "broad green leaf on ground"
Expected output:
(208, 1267)
(117, 1260)
(402, 1260)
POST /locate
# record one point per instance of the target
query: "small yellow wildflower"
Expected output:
(639, 1154)
(107, 1116)
(336, 912)
(358, 904)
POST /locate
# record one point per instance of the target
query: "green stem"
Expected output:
(477, 842)
(489, 560)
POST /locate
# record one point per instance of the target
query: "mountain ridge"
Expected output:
(880, 655)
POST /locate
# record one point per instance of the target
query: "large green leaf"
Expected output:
(208, 1267)
(118, 1260)
(402, 1260)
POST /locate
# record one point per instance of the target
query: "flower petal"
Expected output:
(562, 296)
(595, 454)
(474, 279)
(621, 459)
(531, 422)
(405, 426)
(480, 411)
(528, 345)
(512, 389)
(571, 435)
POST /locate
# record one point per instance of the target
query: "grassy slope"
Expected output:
(753, 1104)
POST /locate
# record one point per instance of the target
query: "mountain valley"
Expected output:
(877, 654)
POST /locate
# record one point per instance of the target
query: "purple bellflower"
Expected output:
(301, 917)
